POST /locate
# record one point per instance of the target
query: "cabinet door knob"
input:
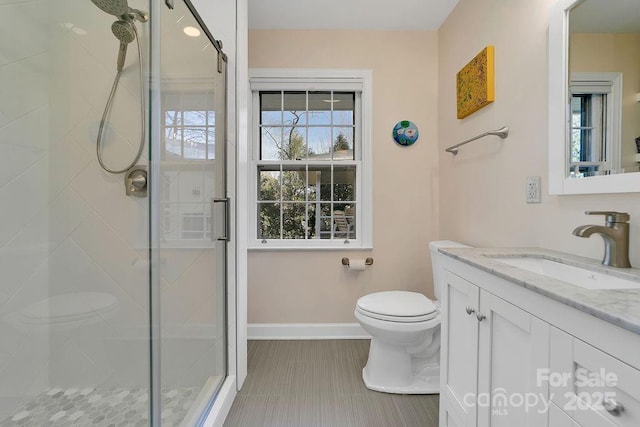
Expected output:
(480, 317)
(613, 407)
(470, 310)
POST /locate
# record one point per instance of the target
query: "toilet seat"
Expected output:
(397, 306)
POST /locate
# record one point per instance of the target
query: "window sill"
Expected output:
(258, 247)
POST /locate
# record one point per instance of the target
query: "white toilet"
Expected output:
(404, 356)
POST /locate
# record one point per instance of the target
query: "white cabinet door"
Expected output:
(513, 348)
(459, 357)
(593, 387)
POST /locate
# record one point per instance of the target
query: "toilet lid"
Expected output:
(69, 307)
(398, 306)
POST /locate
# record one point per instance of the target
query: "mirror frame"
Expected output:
(559, 118)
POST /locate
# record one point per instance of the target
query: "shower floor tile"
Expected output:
(100, 407)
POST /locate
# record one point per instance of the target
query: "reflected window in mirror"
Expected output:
(189, 125)
(594, 125)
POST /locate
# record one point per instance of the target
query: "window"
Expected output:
(311, 159)
(595, 124)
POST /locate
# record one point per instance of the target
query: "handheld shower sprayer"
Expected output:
(125, 31)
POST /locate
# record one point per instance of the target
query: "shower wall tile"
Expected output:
(188, 355)
(22, 143)
(193, 287)
(203, 314)
(25, 253)
(13, 1)
(189, 317)
(72, 270)
(174, 262)
(26, 30)
(78, 351)
(62, 120)
(66, 213)
(65, 163)
(200, 359)
(29, 250)
(103, 244)
(116, 258)
(14, 332)
(92, 79)
(26, 375)
(105, 194)
(23, 86)
(23, 199)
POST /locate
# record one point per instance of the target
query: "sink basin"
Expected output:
(567, 273)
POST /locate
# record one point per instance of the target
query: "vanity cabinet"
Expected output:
(512, 356)
(491, 351)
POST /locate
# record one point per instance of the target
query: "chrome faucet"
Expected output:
(615, 233)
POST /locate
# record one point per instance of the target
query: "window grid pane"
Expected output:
(308, 200)
(307, 125)
(313, 186)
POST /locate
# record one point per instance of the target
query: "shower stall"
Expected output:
(114, 216)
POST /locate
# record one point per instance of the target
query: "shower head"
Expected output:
(121, 9)
(124, 31)
(113, 7)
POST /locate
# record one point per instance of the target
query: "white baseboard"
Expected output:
(306, 331)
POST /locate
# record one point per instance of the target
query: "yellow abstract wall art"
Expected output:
(475, 83)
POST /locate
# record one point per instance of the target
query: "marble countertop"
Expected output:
(620, 307)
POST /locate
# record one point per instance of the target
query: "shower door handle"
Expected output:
(226, 201)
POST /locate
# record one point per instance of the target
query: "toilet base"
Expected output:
(419, 385)
(403, 358)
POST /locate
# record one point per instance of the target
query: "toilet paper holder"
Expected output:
(368, 261)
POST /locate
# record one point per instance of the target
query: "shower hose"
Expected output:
(107, 112)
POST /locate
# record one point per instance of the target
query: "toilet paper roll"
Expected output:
(356, 264)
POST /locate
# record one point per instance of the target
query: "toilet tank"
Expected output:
(436, 265)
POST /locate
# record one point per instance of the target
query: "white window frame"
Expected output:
(262, 79)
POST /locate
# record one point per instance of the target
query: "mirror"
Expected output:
(594, 79)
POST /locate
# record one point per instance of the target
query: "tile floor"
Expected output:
(319, 383)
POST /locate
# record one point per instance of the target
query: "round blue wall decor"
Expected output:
(405, 133)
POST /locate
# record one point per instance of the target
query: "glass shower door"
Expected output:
(189, 218)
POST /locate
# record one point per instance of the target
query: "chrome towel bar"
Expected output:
(503, 132)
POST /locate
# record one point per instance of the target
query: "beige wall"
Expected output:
(423, 193)
(614, 53)
(301, 287)
(483, 189)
